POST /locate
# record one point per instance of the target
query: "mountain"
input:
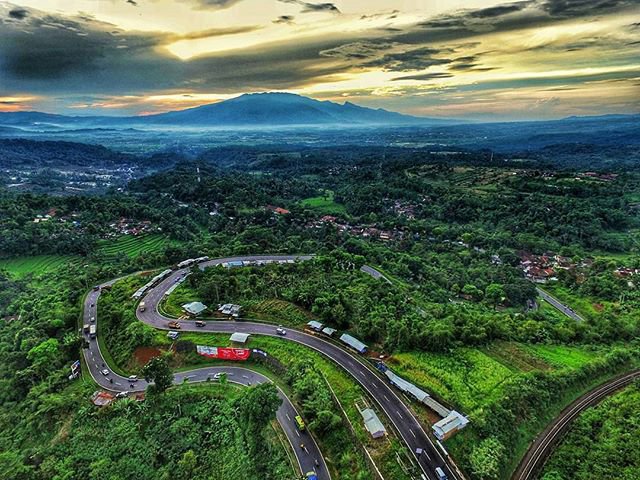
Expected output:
(268, 109)
(256, 109)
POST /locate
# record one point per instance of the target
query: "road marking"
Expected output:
(297, 433)
(288, 417)
(414, 435)
(387, 398)
(118, 383)
(375, 385)
(399, 414)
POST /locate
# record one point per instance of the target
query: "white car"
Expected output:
(281, 331)
(122, 394)
(217, 376)
(105, 372)
(93, 319)
(133, 378)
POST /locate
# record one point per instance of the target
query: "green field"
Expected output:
(21, 266)
(470, 378)
(133, 246)
(324, 204)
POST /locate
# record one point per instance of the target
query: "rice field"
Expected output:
(133, 246)
(21, 266)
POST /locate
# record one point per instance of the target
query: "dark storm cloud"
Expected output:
(51, 54)
(498, 11)
(18, 13)
(425, 76)
(357, 50)
(415, 59)
(308, 7)
(288, 19)
(388, 56)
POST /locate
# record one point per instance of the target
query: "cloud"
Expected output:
(308, 7)
(216, 4)
(424, 76)
(216, 32)
(19, 13)
(408, 60)
(288, 19)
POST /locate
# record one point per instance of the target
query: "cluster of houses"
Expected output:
(127, 226)
(362, 231)
(544, 268)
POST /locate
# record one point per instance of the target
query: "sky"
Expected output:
(472, 59)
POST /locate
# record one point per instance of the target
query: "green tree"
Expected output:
(157, 371)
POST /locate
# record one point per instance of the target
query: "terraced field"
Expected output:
(21, 266)
(132, 246)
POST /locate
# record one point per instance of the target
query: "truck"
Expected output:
(142, 307)
(174, 324)
(92, 331)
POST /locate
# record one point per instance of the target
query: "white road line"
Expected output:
(387, 398)
(288, 417)
(414, 435)
(399, 414)
(297, 432)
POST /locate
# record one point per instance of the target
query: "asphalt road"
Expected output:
(285, 415)
(559, 306)
(405, 423)
(543, 446)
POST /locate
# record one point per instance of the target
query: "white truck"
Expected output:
(142, 307)
(92, 331)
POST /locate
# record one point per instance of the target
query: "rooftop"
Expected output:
(238, 337)
(194, 308)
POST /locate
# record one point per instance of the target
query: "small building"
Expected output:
(101, 398)
(194, 309)
(353, 342)
(372, 423)
(449, 425)
(313, 325)
(233, 264)
(328, 331)
(238, 337)
(230, 309)
(406, 386)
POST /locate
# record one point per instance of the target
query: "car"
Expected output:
(96, 288)
(174, 324)
(93, 319)
(93, 305)
(440, 473)
(133, 378)
(173, 335)
(200, 323)
(122, 394)
(281, 331)
(311, 476)
(105, 372)
(218, 376)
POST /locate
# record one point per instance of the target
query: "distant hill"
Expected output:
(256, 109)
(267, 109)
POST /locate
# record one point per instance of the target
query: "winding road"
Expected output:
(285, 415)
(406, 424)
(542, 447)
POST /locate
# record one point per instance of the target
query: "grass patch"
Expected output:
(325, 204)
